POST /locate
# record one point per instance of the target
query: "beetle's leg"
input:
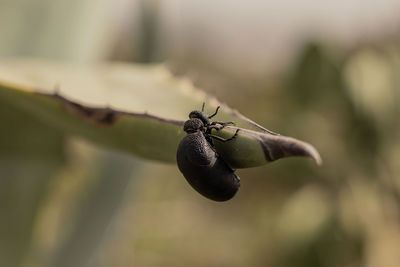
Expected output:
(217, 125)
(223, 139)
(215, 113)
(222, 123)
(202, 107)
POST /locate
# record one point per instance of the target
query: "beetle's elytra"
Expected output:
(200, 164)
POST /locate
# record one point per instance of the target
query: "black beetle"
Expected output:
(200, 164)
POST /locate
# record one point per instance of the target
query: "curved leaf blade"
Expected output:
(112, 110)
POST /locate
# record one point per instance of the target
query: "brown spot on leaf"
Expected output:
(103, 116)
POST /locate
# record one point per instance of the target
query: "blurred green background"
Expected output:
(326, 73)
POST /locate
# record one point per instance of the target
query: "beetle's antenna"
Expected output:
(215, 113)
(202, 107)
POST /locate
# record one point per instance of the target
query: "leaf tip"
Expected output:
(312, 153)
(276, 147)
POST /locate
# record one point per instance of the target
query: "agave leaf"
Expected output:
(139, 109)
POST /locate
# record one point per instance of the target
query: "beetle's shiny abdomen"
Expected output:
(207, 173)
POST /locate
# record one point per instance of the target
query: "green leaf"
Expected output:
(139, 109)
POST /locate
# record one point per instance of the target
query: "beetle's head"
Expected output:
(196, 114)
(193, 125)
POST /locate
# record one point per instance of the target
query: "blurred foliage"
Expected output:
(30, 154)
(290, 213)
